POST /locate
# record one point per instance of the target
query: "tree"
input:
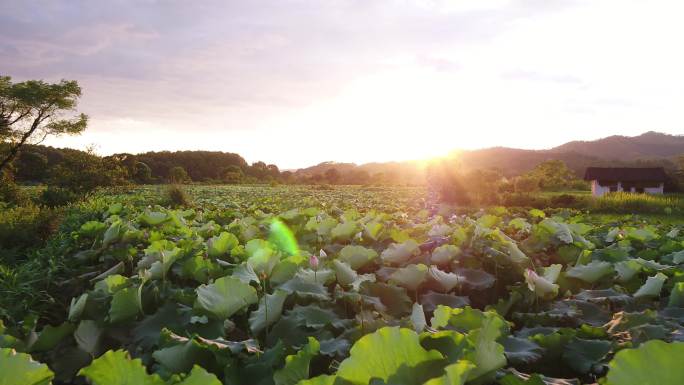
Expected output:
(31, 166)
(82, 172)
(553, 175)
(32, 110)
(142, 173)
(178, 174)
(232, 174)
(526, 184)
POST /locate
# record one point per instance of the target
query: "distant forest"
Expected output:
(38, 164)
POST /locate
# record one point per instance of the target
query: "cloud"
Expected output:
(230, 74)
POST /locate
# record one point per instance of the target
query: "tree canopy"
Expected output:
(32, 110)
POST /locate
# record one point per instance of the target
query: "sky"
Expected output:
(296, 83)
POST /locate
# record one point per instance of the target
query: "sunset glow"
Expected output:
(464, 75)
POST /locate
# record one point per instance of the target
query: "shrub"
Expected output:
(524, 200)
(176, 196)
(526, 184)
(57, 196)
(11, 193)
(26, 226)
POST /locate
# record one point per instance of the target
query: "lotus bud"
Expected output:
(313, 261)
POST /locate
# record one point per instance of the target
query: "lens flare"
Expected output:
(282, 237)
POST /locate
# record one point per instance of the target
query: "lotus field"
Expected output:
(303, 286)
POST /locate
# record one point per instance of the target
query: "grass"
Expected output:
(639, 203)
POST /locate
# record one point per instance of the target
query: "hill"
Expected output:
(650, 145)
(648, 149)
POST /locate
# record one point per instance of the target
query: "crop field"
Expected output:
(311, 285)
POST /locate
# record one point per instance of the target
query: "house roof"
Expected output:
(626, 174)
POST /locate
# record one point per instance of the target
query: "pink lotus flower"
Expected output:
(313, 261)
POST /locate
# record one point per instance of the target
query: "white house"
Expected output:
(649, 180)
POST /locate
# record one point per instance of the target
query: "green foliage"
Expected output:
(654, 362)
(178, 174)
(20, 369)
(393, 296)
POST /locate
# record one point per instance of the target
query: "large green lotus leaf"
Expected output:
(357, 256)
(153, 218)
(399, 253)
(535, 379)
(677, 257)
(111, 284)
(626, 270)
(305, 289)
(245, 273)
(642, 234)
(113, 233)
(381, 354)
(146, 333)
(221, 245)
(652, 363)
(319, 380)
(50, 336)
(418, 317)
(125, 305)
(20, 369)
(255, 245)
(262, 260)
(372, 230)
(603, 296)
(344, 273)
(344, 231)
(677, 295)
(467, 319)
(286, 269)
(77, 306)
(297, 365)
(456, 374)
(590, 272)
(475, 279)
(521, 350)
(322, 227)
(160, 268)
(225, 297)
(540, 285)
(487, 355)
(410, 277)
(324, 276)
(519, 224)
(199, 376)
(314, 316)
(444, 254)
(117, 368)
(560, 231)
(87, 336)
(447, 281)
(269, 311)
(450, 343)
(581, 355)
(431, 300)
(393, 297)
(652, 287)
(181, 357)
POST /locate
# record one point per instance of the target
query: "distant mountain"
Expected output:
(648, 149)
(649, 145)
